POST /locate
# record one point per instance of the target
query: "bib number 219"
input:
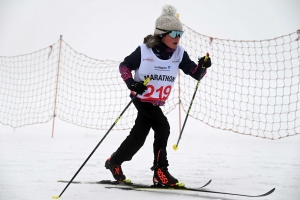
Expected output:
(162, 92)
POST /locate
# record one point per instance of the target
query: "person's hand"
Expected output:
(138, 87)
(204, 63)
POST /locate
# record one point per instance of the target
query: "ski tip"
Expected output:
(270, 192)
(206, 184)
(175, 147)
(55, 197)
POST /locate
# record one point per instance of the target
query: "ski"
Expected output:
(124, 183)
(152, 188)
(128, 185)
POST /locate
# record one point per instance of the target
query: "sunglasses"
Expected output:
(173, 34)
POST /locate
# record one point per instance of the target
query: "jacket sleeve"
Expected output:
(131, 62)
(189, 67)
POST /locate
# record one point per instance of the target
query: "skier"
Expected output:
(159, 58)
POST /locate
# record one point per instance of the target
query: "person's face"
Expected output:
(170, 42)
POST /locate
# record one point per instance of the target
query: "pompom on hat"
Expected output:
(167, 21)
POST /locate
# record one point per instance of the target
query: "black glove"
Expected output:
(205, 64)
(138, 87)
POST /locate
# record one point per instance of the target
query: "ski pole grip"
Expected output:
(206, 58)
(146, 81)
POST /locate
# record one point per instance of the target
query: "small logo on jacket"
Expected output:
(149, 59)
(162, 68)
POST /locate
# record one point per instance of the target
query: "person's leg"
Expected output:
(161, 136)
(129, 147)
(159, 123)
(161, 128)
(134, 141)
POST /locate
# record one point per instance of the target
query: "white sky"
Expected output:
(112, 29)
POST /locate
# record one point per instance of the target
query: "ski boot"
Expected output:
(162, 176)
(115, 169)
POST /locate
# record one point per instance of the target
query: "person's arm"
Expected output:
(191, 68)
(131, 62)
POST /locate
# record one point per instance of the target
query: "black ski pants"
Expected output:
(148, 116)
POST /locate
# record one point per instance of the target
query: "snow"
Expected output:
(31, 162)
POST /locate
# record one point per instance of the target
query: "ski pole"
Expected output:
(116, 121)
(175, 146)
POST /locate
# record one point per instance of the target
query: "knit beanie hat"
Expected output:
(167, 21)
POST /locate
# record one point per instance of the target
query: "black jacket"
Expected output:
(132, 62)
